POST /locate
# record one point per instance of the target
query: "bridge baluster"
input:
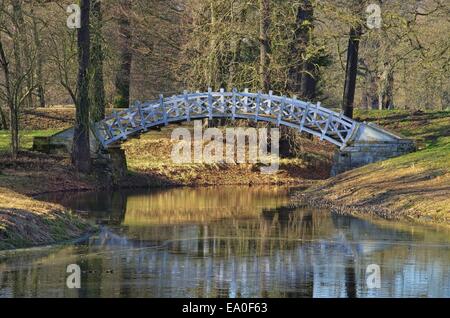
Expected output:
(123, 134)
(222, 101)
(246, 100)
(188, 108)
(258, 105)
(210, 103)
(269, 103)
(316, 111)
(108, 131)
(163, 109)
(141, 113)
(281, 110)
(198, 103)
(327, 126)
(293, 107)
(233, 110)
(305, 115)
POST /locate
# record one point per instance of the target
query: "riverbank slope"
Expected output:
(415, 186)
(27, 222)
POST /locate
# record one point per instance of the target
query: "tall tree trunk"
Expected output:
(234, 63)
(81, 151)
(14, 130)
(24, 60)
(39, 63)
(264, 44)
(302, 74)
(13, 111)
(3, 122)
(14, 92)
(97, 87)
(123, 77)
(387, 93)
(18, 36)
(309, 69)
(212, 74)
(370, 98)
(309, 81)
(351, 71)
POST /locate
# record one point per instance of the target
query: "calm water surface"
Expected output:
(229, 242)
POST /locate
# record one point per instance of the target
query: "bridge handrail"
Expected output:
(180, 98)
(113, 130)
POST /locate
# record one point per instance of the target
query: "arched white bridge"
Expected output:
(279, 110)
(360, 143)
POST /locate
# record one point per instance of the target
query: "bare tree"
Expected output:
(3, 122)
(97, 87)
(81, 157)
(39, 61)
(351, 70)
(264, 7)
(15, 90)
(309, 71)
(123, 77)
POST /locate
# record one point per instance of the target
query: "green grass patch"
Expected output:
(426, 127)
(435, 157)
(26, 138)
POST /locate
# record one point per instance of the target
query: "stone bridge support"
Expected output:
(110, 165)
(370, 144)
(364, 153)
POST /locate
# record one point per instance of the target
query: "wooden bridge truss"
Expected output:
(279, 110)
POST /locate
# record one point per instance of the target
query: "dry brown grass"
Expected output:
(35, 173)
(150, 156)
(27, 222)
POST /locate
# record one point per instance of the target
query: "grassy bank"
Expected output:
(415, 186)
(27, 222)
(24, 221)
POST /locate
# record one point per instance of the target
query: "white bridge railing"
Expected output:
(306, 117)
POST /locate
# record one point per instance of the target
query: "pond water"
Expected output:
(229, 242)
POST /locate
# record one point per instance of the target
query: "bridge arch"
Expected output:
(359, 143)
(279, 110)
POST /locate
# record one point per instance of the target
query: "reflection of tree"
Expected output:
(362, 230)
(350, 278)
(103, 207)
(187, 205)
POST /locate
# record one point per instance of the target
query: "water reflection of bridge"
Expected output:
(277, 252)
(328, 260)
